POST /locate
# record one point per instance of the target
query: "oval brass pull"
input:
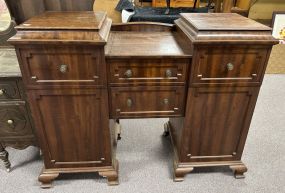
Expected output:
(2, 91)
(128, 73)
(166, 101)
(34, 78)
(230, 66)
(129, 102)
(10, 122)
(168, 73)
(63, 68)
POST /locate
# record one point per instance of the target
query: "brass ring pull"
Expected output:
(129, 102)
(10, 122)
(63, 68)
(230, 66)
(166, 101)
(168, 73)
(2, 91)
(128, 73)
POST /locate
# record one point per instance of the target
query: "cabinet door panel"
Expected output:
(217, 122)
(73, 126)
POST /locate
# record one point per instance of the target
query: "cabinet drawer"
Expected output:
(147, 102)
(14, 120)
(68, 65)
(229, 65)
(148, 71)
(9, 90)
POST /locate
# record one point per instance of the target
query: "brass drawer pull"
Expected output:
(168, 73)
(254, 75)
(128, 73)
(34, 78)
(2, 91)
(129, 102)
(230, 66)
(10, 122)
(166, 101)
(63, 68)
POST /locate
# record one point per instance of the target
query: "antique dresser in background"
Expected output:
(16, 126)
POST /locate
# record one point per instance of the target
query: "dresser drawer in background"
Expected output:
(152, 101)
(63, 65)
(14, 120)
(219, 65)
(140, 71)
(9, 90)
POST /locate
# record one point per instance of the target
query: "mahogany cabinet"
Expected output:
(64, 73)
(230, 55)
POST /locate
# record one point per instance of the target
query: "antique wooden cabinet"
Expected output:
(204, 73)
(16, 126)
(62, 60)
(230, 55)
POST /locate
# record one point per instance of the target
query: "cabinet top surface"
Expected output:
(145, 44)
(222, 21)
(87, 20)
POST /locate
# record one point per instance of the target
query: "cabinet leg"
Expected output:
(4, 156)
(47, 178)
(239, 170)
(166, 129)
(111, 175)
(179, 173)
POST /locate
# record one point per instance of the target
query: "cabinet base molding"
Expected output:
(47, 176)
(183, 168)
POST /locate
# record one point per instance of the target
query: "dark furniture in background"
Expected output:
(21, 10)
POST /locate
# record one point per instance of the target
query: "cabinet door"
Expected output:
(216, 123)
(72, 126)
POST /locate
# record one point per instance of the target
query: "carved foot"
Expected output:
(239, 170)
(166, 129)
(111, 175)
(4, 156)
(179, 173)
(47, 178)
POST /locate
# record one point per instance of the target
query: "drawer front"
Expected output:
(229, 65)
(9, 90)
(68, 65)
(147, 102)
(148, 71)
(14, 120)
(174, 3)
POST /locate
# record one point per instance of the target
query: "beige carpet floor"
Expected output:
(146, 159)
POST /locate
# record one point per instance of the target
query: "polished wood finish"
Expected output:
(230, 54)
(142, 27)
(67, 92)
(149, 101)
(204, 73)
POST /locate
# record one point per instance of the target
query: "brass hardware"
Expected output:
(103, 159)
(10, 122)
(63, 68)
(199, 75)
(166, 101)
(189, 155)
(95, 77)
(254, 75)
(168, 73)
(128, 73)
(2, 92)
(34, 78)
(230, 66)
(176, 109)
(118, 110)
(179, 74)
(129, 102)
(234, 153)
(52, 161)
